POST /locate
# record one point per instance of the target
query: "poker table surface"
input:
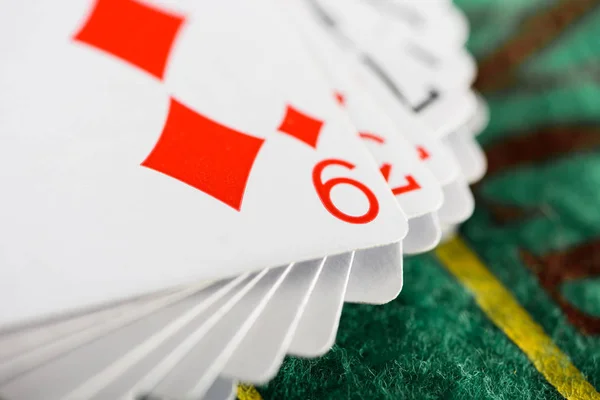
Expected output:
(509, 308)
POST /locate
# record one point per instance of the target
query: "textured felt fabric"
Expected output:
(536, 228)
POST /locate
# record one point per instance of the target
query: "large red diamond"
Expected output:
(301, 126)
(204, 154)
(132, 31)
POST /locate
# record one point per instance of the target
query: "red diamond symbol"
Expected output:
(340, 98)
(423, 154)
(386, 169)
(206, 155)
(301, 126)
(134, 32)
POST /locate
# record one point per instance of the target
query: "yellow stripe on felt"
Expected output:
(502, 308)
(247, 392)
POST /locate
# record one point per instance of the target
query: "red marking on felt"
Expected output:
(301, 126)
(204, 154)
(134, 32)
(340, 98)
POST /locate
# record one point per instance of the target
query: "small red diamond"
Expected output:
(423, 154)
(340, 98)
(301, 126)
(386, 169)
(132, 31)
(204, 154)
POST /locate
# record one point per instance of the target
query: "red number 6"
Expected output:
(324, 192)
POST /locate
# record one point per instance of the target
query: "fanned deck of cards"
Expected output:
(192, 189)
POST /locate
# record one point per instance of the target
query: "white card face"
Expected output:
(427, 234)
(126, 172)
(456, 70)
(446, 71)
(481, 118)
(426, 89)
(413, 185)
(443, 110)
(459, 203)
(458, 200)
(439, 113)
(434, 22)
(430, 151)
(376, 31)
(469, 154)
(453, 111)
(260, 354)
(318, 325)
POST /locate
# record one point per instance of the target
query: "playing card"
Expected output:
(450, 112)
(454, 68)
(442, 110)
(448, 232)
(26, 338)
(262, 336)
(414, 186)
(376, 275)
(458, 199)
(436, 156)
(155, 181)
(388, 97)
(258, 357)
(27, 357)
(190, 369)
(481, 118)
(86, 362)
(441, 161)
(221, 389)
(315, 333)
(167, 344)
(429, 233)
(429, 149)
(378, 34)
(431, 22)
(370, 282)
(469, 154)
(443, 72)
(436, 93)
(105, 198)
(459, 203)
